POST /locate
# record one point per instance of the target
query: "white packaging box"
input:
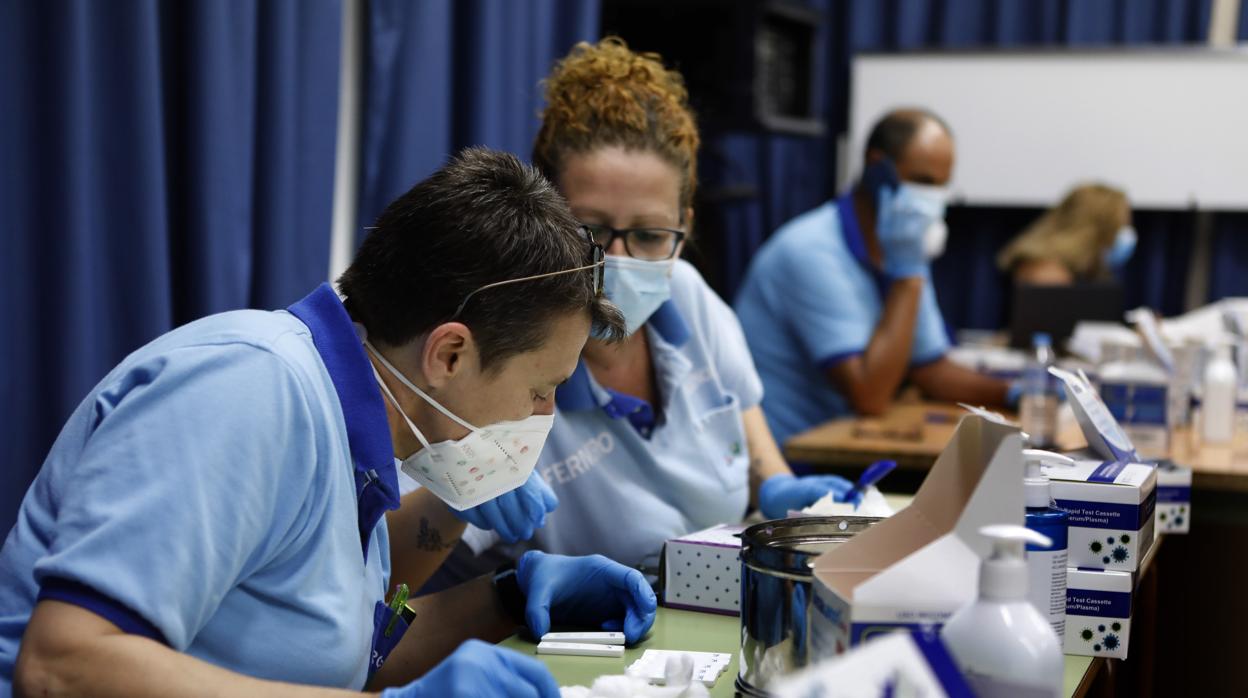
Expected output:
(702, 570)
(897, 664)
(1098, 612)
(1111, 507)
(916, 568)
(1174, 497)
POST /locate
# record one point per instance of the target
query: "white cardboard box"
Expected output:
(915, 569)
(1174, 497)
(702, 570)
(1111, 507)
(897, 664)
(1098, 612)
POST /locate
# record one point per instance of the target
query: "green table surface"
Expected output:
(701, 632)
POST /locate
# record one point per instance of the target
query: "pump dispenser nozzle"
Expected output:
(1003, 576)
(1035, 482)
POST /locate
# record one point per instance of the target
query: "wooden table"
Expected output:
(915, 432)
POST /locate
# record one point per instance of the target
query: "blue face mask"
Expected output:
(637, 287)
(1124, 246)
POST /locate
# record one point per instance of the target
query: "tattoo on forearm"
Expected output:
(430, 539)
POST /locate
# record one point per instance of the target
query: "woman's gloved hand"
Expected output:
(589, 590)
(517, 514)
(481, 670)
(780, 494)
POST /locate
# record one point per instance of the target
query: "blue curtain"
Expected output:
(161, 161)
(446, 74)
(967, 283)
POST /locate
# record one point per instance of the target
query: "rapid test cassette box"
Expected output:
(1099, 604)
(1111, 507)
(916, 568)
(702, 570)
(1174, 497)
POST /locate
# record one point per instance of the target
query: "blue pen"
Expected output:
(873, 474)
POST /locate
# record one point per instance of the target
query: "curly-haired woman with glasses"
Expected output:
(661, 434)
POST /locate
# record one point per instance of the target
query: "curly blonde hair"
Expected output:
(1076, 233)
(604, 94)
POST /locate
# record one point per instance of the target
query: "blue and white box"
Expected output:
(1136, 394)
(1111, 506)
(1174, 497)
(1098, 612)
(893, 664)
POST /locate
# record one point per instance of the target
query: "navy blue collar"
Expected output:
(368, 431)
(578, 394)
(851, 230)
(670, 324)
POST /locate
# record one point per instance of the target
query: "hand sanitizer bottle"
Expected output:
(1038, 404)
(1001, 643)
(1218, 408)
(1046, 566)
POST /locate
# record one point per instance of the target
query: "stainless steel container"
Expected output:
(776, 561)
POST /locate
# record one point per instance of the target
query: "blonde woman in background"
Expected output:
(1086, 237)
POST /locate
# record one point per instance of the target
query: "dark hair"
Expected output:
(482, 218)
(893, 133)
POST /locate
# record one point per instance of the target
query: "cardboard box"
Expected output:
(1174, 497)
(896, 664)
(1098, 612)
(1111, 507)
(702, 570)
(915, 569)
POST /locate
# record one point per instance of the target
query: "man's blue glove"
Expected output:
(481, 670)
(1014, 394)
(903, 217)
(515, 515)
(781, 493)
(589, 590)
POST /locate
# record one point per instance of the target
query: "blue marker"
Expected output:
(873, 474)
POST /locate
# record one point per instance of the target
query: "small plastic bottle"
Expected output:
(1046, 566)
(1218, 401)
(1038, 403)
(1001, 643)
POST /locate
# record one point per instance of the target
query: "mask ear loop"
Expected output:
(386, 389)
(403, 379)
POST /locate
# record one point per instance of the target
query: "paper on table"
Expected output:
(873, 504)
(659, 674)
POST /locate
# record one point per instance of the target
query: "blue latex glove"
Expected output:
(589, 590)
(903, 217)
(481, 670)
(781, 493)
(514, 515)
(1014, 394)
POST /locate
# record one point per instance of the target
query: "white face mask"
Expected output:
(637, 287)
(486, 463)
(933, 200)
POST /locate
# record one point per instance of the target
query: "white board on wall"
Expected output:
(1168, 126)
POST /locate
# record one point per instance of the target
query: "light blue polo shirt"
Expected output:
(811, 298)
(210, 494)
(626, 487)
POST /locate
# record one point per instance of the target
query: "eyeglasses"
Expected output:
(653, 244)
(597, 256)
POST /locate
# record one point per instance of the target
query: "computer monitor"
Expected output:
(1056, 309)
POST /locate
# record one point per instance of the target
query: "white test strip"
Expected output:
(580, 649)
(598, 638)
